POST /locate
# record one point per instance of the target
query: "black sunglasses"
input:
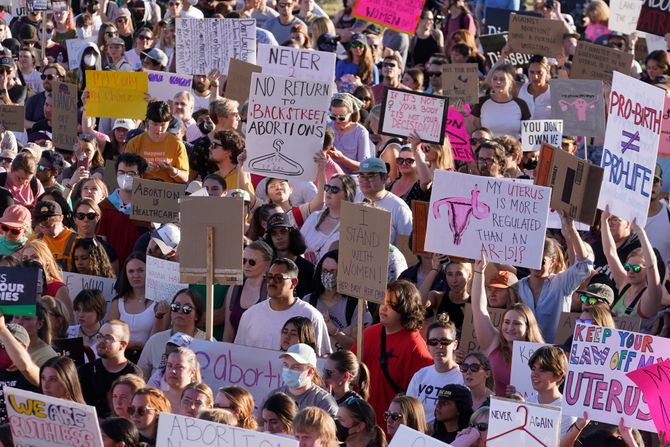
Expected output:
(251, 262)
(474, 367)
(49, 77)
(393, 415)
(89, 216)
(443, 342)
(185, 309)
(14, 231)
(331, 188)
(480, 426)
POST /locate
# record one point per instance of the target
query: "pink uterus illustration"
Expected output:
(459, 210)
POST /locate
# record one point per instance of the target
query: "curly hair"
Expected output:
(98, 261)
(232, 141)
(407, 304)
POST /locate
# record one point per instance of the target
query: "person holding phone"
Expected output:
(88, 163)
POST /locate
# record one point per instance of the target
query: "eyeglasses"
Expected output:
(141, 411)
(82, 216)
(145, 37)
(474, 367)
(269, 277)
(635, 268)
(486, 161)
(106, 338)
(442, 342)
(357, 45)
(404, 161)
(251, 262)
(395, 417)
(591, 300)
(331, 188)
(389, 64)
(434, 74)
(185, 309)
(130, 173)
(111, 33)
(340, 118)
(14, 231)
(215, 144)
(6, 159)
(584, 321)
(49, 77)
(480, 426)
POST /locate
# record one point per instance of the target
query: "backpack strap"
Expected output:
(351, 308)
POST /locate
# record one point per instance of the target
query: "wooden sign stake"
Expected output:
(209, 310)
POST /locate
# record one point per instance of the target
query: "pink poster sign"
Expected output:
(664, 140)
(399, 15)
(654, 382)
(458, 135)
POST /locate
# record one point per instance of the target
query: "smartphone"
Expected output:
(85, 162)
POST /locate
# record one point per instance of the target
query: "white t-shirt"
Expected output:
(401, 214)
(658, 231)
(318, 243)
(425, 384)
(153, 353)
(566, 421)
(540, 106)
(133, 59)
(201, 102)
(260, 326)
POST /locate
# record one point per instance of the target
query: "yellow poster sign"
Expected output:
(116, 94)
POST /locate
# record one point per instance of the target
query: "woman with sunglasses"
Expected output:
(358, 68)
(125, 26)
(351, 145)
(107, 32)
(407, 173)
(357, 425)
(366, 96)
(53, 50)
(146, 406)
(346, 376)
(427, 40)
(405, 410)
(475, 435)
(86, 217)
(58, 378)
(121, 394)
(16, 225)
(478, 377)
(181, 369)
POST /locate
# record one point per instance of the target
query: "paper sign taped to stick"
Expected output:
(18, 290)
(512, 422)
(581, 106)
(286, 123)
(461, 82)
(116, 94)
(458, 136)
(162, 279)
(468, 341)
(365, 235)
(203, 45)
(598, 62)
(399, 15)
(624, 15)
(575, 183)
(155, 201)
(405, 437)
(164, 86)
(238, 82)
(493, 45)
(566, 325)
(520, 376)
(631, 146)
(12, 117)
(654, 382)
(404, 112)
(535, 35)
(654, 18)
(38, 420)
(535, 133)
(298, 63)
(65, 115)
(76, 282)
(471, 216)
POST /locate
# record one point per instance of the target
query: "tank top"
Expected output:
(140, 324)
(502, 371)
(236, 309)
(424, 49)
(633, 308)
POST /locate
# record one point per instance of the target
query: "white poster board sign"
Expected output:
(296, 62)
(515, 423)
(162, 279)
(404, 112)
(471, 216)
(520, 377)
(534, 133)
(624, 14)
(286, 123)
(74, 49)
(76, 282)
(38, 420)
(406, 437)
(631, 144)
(203, 45)
(163, 86)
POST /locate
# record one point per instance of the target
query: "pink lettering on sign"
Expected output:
(457, 133)
(399, 15)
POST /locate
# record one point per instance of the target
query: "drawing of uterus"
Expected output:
(459, 210)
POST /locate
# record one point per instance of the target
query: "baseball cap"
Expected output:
(123, 123)
(301, 353)
(457, 393)
(373, 165)
(567, 139)
(599, 290)
(658, 172)
(8, 153)
(47, 208)
(279, 220)
(157, 55)
(16, 216)
(503, 280)
(123, 12)
(167, 237)
(373, 28)
(7, 61)
(327, 42)
(20, 334)
(360, 38)
(180, 339)
(33, 149)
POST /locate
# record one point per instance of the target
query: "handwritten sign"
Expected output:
(664, 140)
(471, 215)
(65, 109)
(17, 8)
(285, 125)
(155, 201)
(535, 133)
(18, 290)
(164, 86)
(580, 105)
(38, 420)
(238, 82)
(624, 15)
(116, 94)
(203, 45)
(517, 423)
(566, 325)
(296, 62)
(404, 112)
(365, 234)
(458, 136)
(597, 380)
(468, 341)
(405, 436)
(593, 61)
(12, 117)
(654, 18)
(399, 15)
(535, 35)
(76, 282)
(654, 381)
(631, 145)
(74, 49)
(461, 82)
(493, 45)
(162, 279)
(520, 376)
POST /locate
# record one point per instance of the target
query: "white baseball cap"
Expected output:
(301, 353)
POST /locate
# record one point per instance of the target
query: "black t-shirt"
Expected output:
(96, 382)
(16, 380)
(305, 277)
(198, 157)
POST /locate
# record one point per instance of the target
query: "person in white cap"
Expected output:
(164, 242)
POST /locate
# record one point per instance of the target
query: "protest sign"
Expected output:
(597, 380)
(116, 94)
(461, 82)
(404, 112)
(598, 62)
(458, 135)
(164, 86)
(535, 133)
(575, 183)
(162, 279)
(535, 35)
(365, 234)
(654, 18)
(624, 15)
(493, 45)
(12, 117)
(70, 347)
(298, 63)
(512, 422)
(65, 113)
(38, 420)
(468, 341)
(109, 176)
(581, 106)
(399, 15)
(497, 19)
(520, 376)
(154, 201)
(203, 45)
(631, 146)
(18, 290)
(554, 223)
(76, 282)
(405, 437)
(199, 213)
(74, 49)
(286, 122)
(419, 221)
(238, 82)
(471, 216)
(664, 139)
(654, 382)
(566, 325)
(16, 8)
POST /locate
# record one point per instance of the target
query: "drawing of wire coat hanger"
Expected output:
(520, 428)
(276, 163)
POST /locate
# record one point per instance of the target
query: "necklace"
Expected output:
(81, 329)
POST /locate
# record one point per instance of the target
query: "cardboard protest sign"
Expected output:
(365, 235)
(598, 62)
(471, 216)
(405, 436)
(664, 139)
(38, 420)
(654, 382)
(630, 149)
(238, 82)
(286, 122)
(624, 15)
(535, 35)
(203, 45)
(199, 213)
(70, 347)
(512, 422)
(155, 201)
(566, 325)
(493, 45)
(76, 282)
(581, 106)
(497, 19)
(18, 290)
(468, 341)
(461, 82)
(654, 18)
(74, 49)
(164, 86)
(12, 117)
(419, 222)
(597, 380)
(404, 112)
(535, 133)
(16, 8)
(162, 279)
(298, 63)
(520, 376)
(116, 94)
(65, 115)
(575, 183)
(399, 15)
(458, 135)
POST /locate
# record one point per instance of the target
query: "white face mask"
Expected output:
(89, 60)
(125, 182)
(83, 33)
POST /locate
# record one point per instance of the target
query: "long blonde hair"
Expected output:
(320, 26)
(445, 156)
(46, 258)
(532, 330)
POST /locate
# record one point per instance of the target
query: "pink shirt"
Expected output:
(23, 195)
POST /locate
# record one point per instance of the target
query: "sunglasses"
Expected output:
(141, 411)
(49, 77)
(269, 277)
(365, 99)
(341, 118)
(331, 188)
(185, 309)
(357, 45)
(82, 216)
(591, 300)
(434, 74)
(145, 37)
(441, 342)
(404, 161)
(395, 417)
(41, 168)
(251, 262)
(635, 268)
(6, 159)
(14, 231)
(585, 321)
(389, 64)
(480, 426)
(111, 33)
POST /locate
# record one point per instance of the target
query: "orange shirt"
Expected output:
(170, 150)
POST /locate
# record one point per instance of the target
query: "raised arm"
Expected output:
(318, 200)
(575, 243)
(19, 354)
(424, 173)
(609, 248)
(485, 330)
(651, 300)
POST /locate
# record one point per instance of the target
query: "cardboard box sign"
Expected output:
(18, 290)
(12, 117)
(420, 213)
(461, 81)
(535, 35)
(575, 183)
(155, 201)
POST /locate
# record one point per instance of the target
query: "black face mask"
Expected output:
(138, 16)
(531, 164)
(206, 127)
(342, 431)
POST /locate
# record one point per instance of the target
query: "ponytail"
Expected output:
(363, 381)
